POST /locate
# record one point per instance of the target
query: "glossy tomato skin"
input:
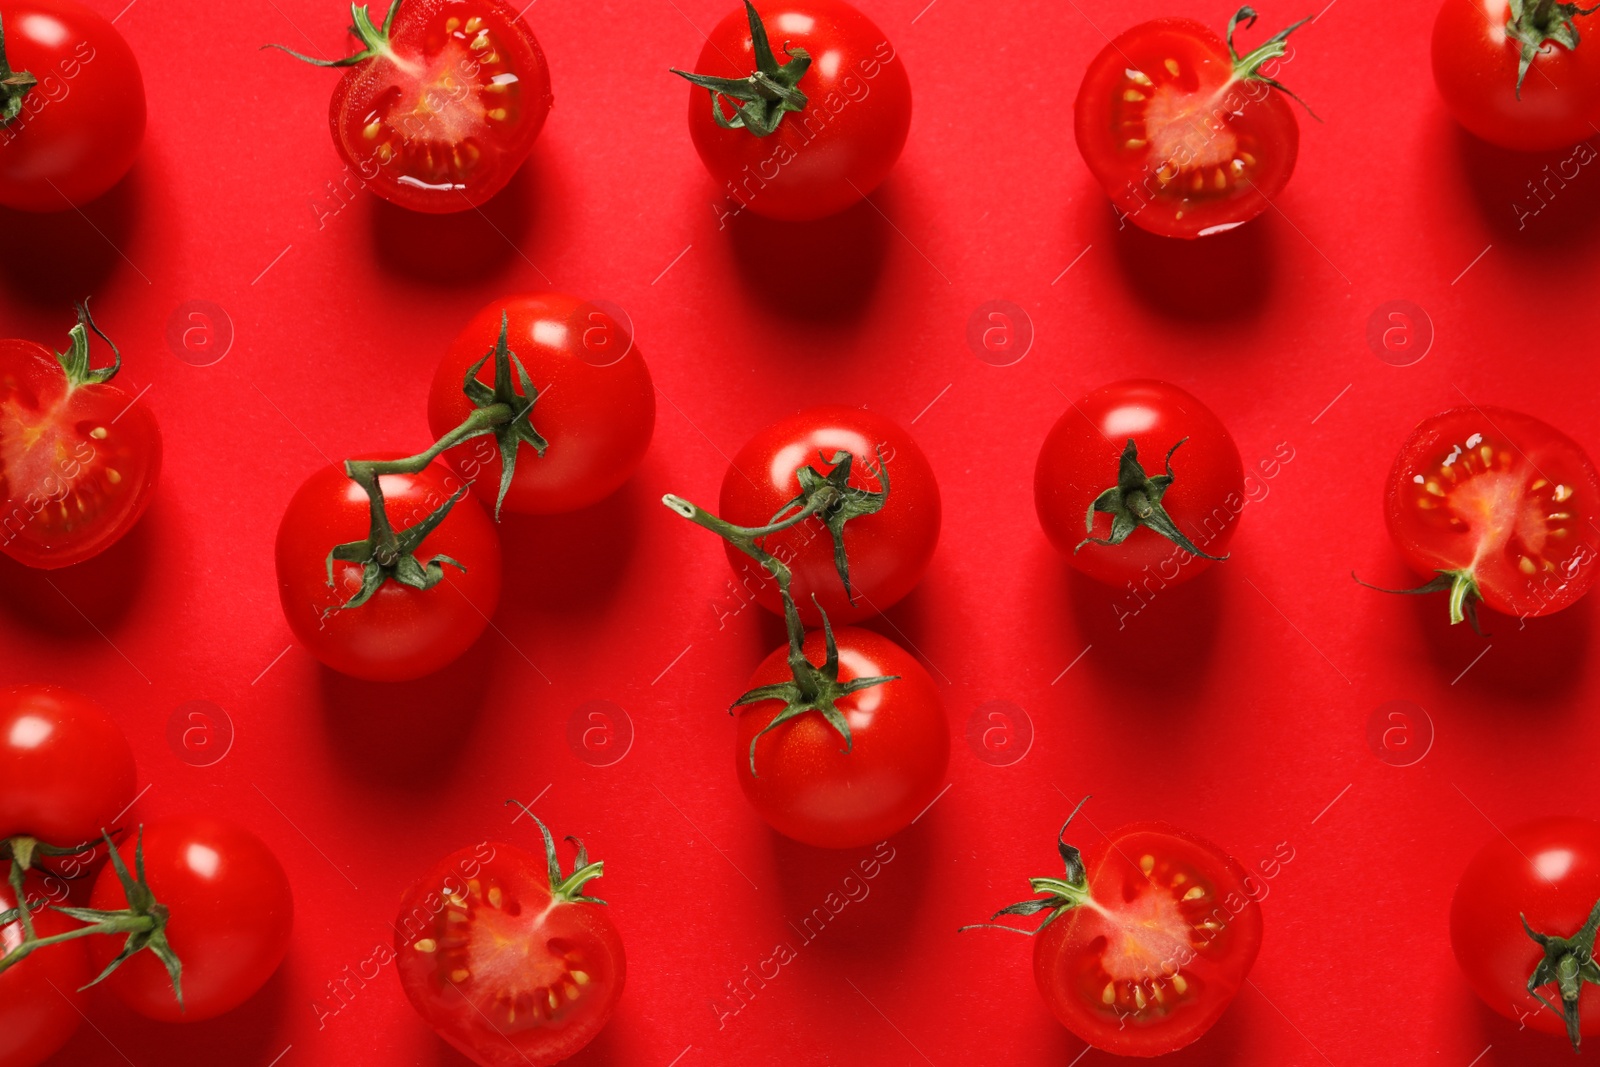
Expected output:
(401, 633)
(78, 465)
(1475, 66)
(40, 1002)
(487, 911)
(889, 551)
(1079, 461)
(1156, 947)
(231, 917)
(66, 770)
(453, 124)
(807, 787)
(1548, 870)
(1486, 489)
(80, 127)
(835, 151)
(596, 404)
(1186, 153)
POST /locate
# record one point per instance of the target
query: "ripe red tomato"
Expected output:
(596, 404)
(1477, 54)
(1187, 137)
(401, 632)
(829, 151)
(1500, 506)
(442, 104)
(72, 134)
(512, 970)
(40, 1005)
(1084, 459)
(66, 770)
(1545, 874)
(888, 550)
(807, 785)
(231, 914)
(79, 456)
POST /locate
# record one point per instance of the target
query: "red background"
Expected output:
(1237, 706)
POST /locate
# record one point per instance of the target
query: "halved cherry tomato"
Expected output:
(1186, 136)
(66, 770)
(507, 960)
(443, 102)
(40, 1002)
(1498, 507)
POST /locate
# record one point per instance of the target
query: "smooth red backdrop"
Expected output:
(1237, 705)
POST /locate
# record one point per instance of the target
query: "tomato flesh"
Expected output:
(1182, 146)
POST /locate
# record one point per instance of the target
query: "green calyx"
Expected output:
(1462, 585)
(770, 91)
(1058, 895)
(1135, 501)
(14, 84)
(75, 360)
(387, 554)
(1568, 963)
(1248, 66)
(836, 503)
(374, 40)
(1534, 22)
(566, 888)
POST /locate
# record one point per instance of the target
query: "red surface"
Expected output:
(1236, 705)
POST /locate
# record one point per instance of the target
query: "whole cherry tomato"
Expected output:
(1186, 136)
(1525, 83)
(229, 917)
(1160, 464)
(887, 520)
(833, 133)
(1498, 507)
(401, 632)
(79, 456)
(511, 963)
(442, 103)
(594, 403)
(71, 105)
(66, 771)
(40, 1000)
(1528, 907)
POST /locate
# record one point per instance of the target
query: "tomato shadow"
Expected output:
(1227, 276)
(463, 248)
(578, 561)
(1163, 633)
(824, 271)
(1512, 1044)
(59, 257)
(85, 600)
(1527, 663)
(408, 736)
(1534, 200)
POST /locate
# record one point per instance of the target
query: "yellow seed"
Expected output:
(495, 896)
(554, 1003)
(495, 87)
(385, 153)
(452, 25)
(1487, 453)
(1525, 565)
(1179, 878)
(1155, 991)
(1147, 863)
(1109, 996)
(372, 130)
(427, 944)
(475, 887)
(1138, 997)
(1562, 492)
(491, 59)
(1132, 96)
(479, 43)
(474, 24)
(1434, 488)
(1560, 516)
(113, 475)
(460, 974)
(1172, 67)
(1136, 142)
(498, 114)
(571, 991)
(1180, 984)
(98, 433)
(1221, 181)
(1194, 894)
(581, 977)
(1249, 160)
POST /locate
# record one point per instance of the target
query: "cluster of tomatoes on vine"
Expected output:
(388, 571)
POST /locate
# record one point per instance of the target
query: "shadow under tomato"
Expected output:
(1164, 633)
(572, 565)
(408, 735)
(56, 258)
(1538, 200)
(1227, 276)
(820, 272)
(86, 599)
(462, 248)
(1514, 1044)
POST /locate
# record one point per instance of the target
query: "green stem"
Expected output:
(127, 923)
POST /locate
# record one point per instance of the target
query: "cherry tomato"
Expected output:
(1084, 465)
(1546, 873)
(595, 405)
(442, 104)
(77, 128)
(231, 914)
(1500, 506)
(66, 771)
(40, 1006)
(807, 786)
(887, 550)
(401, 632)
(79, 455)
(1477, 49)
(841, 142)
(511, 970)
(1187, 137)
